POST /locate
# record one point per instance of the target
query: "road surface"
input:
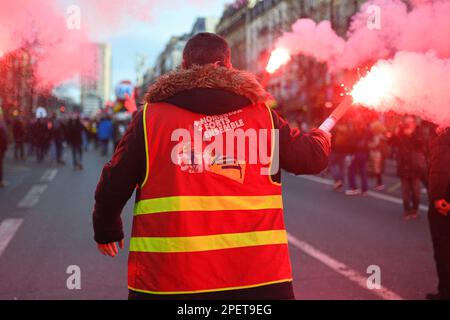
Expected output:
(45, 227)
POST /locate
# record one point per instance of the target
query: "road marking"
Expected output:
(49, 175)
(341, 268)
(8, 229)
(328, 182)
(20, 168)
(372, 194)
(33, 196)
(394, 187)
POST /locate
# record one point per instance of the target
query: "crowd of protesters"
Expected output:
(361, 148)
(364, 143)
(46, 138)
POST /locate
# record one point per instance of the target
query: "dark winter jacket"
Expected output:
(410, 154)
(439, 178)
(74, 133)
(58, 131)
(358, 139)
(18, 131)
(340, 139)
(206, 90)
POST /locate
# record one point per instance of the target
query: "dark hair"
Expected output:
(205, 48)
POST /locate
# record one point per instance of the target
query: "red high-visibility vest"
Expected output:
(206, 226)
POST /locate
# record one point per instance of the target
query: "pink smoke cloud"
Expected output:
(59, 52)
(425, 27)
(413, 83)
(317, 40)
(411, 45)
(62, 52)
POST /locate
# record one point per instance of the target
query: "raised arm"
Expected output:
(302, 153)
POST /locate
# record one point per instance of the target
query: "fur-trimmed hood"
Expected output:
(208, 76)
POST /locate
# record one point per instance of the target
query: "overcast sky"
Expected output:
(150, 38)
(133, 37)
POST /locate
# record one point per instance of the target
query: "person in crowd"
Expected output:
(439, 210)
(105, 133)
(120, 126)
(359, 140)
(207, 87)
(58, 136)
(427, 132)
(94, 133)
(74, 138)
(410, 164)
(30, 137)
(86, 134)
(377, 153)
(338, 155)
(42, 136)
(3, 147)
(18, 129)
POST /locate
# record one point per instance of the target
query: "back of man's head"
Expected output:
(205, 48)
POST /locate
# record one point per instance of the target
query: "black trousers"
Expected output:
(19, 150)
(280, 291)
(411, 193)
(77, 155)
(440, 235)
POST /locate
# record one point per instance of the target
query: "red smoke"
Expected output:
(414, 45)
(59, 53)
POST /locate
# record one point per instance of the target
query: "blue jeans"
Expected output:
(337, 166)
(104, 145)
(358, 166)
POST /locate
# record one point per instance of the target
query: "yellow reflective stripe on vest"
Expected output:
(206, 243)
(207, 203)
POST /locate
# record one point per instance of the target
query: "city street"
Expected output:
(45, 227)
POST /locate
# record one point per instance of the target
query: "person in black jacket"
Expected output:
(19, 138)
(439, 211)
(340, 149)
(411, 163)
(58, 132)
(74, 137)
(360, 139)
(299, 153)
(42, 138)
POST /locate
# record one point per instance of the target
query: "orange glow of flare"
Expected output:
(279, 57)
(375, 88)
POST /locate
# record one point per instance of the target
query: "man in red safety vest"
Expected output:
(205, 154)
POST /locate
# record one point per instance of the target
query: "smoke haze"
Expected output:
(414, 44)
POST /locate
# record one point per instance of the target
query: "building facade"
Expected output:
(304, 86)
(96, 88)
(232, 26)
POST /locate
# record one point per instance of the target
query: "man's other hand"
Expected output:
(442, 206)
(110, 249)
